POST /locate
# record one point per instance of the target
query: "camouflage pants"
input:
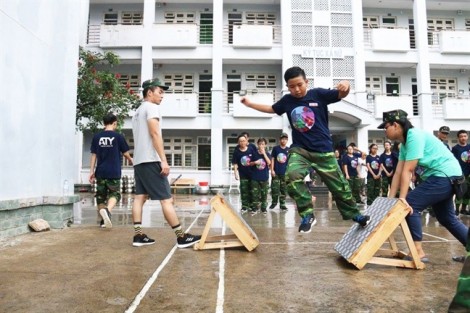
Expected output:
(106, 189)
(325, 164)
(245, 193)
(278, 190)
(466, 198)
(355, 184)
(259, 192)
(373, 189)
(461, 301)
(386, 182)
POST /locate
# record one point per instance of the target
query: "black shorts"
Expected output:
(149, 181)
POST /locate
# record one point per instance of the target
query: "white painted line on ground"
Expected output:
(443, 239)
(155, 274)
(333, 243)
(221, 291)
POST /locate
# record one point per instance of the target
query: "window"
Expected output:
(392, 86)
(370, 21)
(110, 19)
(179, 83)
(131, 18)
(444, 87)
(180, 17)
(180, 152)
(374, 84)
(258, 18)
(436, 25)
(261, 81)
(389, 21)
(206, 27)
(130, 81)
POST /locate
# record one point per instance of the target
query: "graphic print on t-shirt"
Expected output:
(282, 158)
(106, 142)
(354, 163)
(464, 156)
(374, 165)
(245, 160)
(388, 162)
(262, 165)
(303, 118)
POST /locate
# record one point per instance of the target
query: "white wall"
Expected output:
(38, 66)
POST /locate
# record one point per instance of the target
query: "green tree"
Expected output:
(100, 91)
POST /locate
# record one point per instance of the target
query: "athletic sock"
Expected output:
(138, 228)
(178, 230)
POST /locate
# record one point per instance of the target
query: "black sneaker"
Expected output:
(459, 258)
(106, 218)
(102, 224)
(283, 209)
(307, 223)
(264, 211)
(244, 210)
(362, 220)
(254, 212)
(272, 206)
(142, 240)
(188, 240)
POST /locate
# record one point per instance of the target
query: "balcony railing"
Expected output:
(230, 97)
(252, 35)
(387, 38)
(203, 33)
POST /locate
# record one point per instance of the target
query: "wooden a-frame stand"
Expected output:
(242, 235)
(369, 241)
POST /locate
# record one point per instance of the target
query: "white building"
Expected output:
(412, 55)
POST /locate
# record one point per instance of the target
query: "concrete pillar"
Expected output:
(362, 139)
(422, 68)
(359, 58)
(217, 140)
(146, 71)
(84, 19)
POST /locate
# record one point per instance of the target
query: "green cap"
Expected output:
(393, 116)
(154, 82)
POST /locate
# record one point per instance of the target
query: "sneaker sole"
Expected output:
(186, 245)
(107, 221)
(140, 244)
(311, 226)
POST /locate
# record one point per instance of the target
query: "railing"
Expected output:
(93, 35)
(228, 33)
(434, 37)
(205, 33)
(368, 33)
(228, 98)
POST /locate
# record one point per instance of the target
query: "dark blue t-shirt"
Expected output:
(388, 162)
(308, 117)
(243, 159)
(108, 146)
(462, 154)
(279, 155)
(374, 163)
(260, 171)
(351, 162)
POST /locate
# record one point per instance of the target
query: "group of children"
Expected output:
(252, 166)
(369, 175)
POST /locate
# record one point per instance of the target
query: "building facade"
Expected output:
(397, 54)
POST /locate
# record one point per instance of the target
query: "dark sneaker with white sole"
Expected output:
(106, 218)
(187, 240)
(142, 240)
(362, 220)
(307, 223)
(102, 224)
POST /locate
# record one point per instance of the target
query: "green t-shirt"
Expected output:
(434, 159)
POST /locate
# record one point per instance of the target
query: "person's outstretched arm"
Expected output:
(257, 106)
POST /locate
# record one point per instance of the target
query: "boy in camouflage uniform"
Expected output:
(461, 301)
(106, 149)
(278, 173)
(312, 147)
